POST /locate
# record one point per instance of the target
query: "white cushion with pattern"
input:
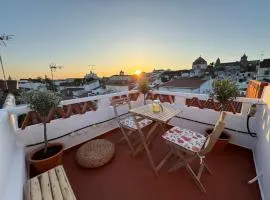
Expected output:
(185, 138)
(129, 122)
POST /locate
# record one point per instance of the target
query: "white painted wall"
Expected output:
(185, 75)
(117, 88)
(176, 89)
(261, 74)
(262, 148)
(12, 168)
(199, 66)
(206, 87)
(60, 88)
(92, 85)
(30, 85)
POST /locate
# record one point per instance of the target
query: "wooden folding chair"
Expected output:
(127, 124)
(188, 146)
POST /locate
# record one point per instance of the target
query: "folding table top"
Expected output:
(162, 116)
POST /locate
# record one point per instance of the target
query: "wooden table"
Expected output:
(159, 119)
(163, 116)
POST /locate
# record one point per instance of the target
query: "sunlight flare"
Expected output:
(138, 72)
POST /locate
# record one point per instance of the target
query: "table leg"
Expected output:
(144, 144)
(150, 158)
(150, 132)
(155, 136)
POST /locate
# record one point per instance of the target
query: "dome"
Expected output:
(244, 57)
(199, 61)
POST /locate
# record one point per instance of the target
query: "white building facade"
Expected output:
(28, 85)
(190, 85)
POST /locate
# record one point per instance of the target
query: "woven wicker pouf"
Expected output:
(95, 153)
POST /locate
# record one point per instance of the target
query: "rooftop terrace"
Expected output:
(132, 178)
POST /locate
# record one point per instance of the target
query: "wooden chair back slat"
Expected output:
(123, 100)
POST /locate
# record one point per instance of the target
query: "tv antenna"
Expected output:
(259, 66)
(261, 55)
(3, 39)
(53, 67)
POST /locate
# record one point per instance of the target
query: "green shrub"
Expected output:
(42, 102)
(144, 88)
(225, 91)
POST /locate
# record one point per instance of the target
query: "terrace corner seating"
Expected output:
(51, 185)
(127, 123)
(188, 146)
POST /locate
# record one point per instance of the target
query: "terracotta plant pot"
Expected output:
(46, 162)
(222, 142)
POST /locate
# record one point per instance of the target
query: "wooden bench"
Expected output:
(51, 185)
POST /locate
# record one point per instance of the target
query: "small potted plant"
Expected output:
(144, 88)
(49, 155)
(224, 91)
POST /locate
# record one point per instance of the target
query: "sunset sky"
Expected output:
(129, 35)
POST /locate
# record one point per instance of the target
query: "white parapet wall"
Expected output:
(61, 127)
(12, 167)
(79, 128)
(262, 147)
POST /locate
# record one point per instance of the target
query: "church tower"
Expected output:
(244, 60)
(217, 62)
(121, 73)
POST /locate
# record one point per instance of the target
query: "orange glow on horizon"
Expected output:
(80, 70)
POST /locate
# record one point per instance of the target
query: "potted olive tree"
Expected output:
(50, 154)
(144, 89)
(224, 91)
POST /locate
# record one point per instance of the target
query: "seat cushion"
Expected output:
(185, 138)
(129, 122)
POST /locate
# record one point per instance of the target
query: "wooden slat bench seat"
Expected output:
(51, 185)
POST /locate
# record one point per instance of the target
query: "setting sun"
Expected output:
(138, 72)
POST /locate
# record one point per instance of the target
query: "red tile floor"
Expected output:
(133, 179)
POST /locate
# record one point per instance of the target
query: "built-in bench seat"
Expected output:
(51, 185)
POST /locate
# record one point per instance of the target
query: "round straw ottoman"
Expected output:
(95, 153)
